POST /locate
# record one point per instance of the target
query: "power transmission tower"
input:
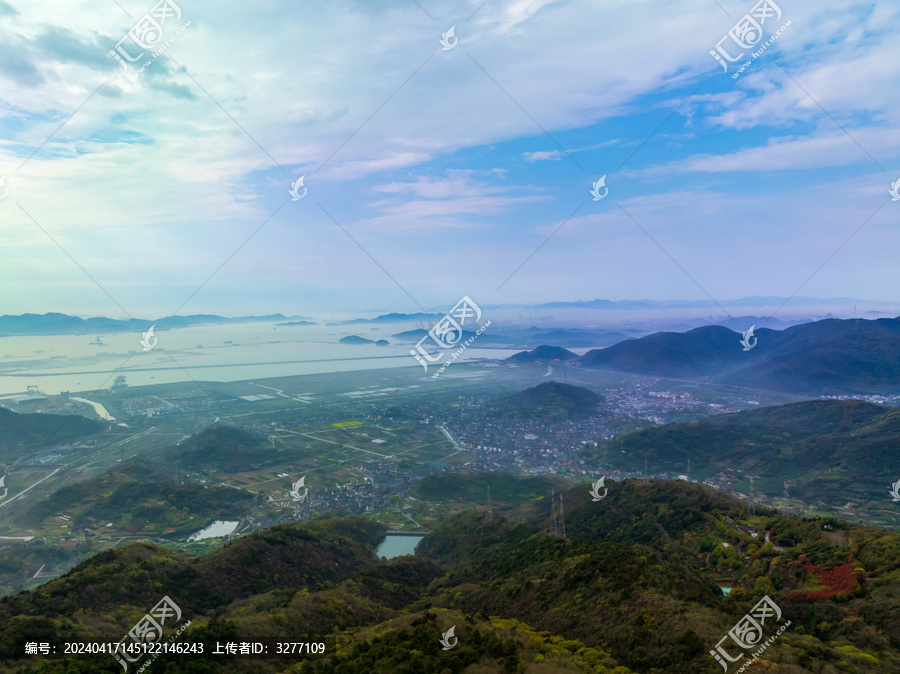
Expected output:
(490, 509)
(787, 508)
(646, 478)
(562, 516)
(752, 509)
(689, 471)
(553, 526)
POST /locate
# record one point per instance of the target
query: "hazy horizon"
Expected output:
(792, 309)
(433, 172)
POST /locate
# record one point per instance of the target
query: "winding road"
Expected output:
(777, 548)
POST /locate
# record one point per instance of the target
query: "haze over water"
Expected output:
(58, 363)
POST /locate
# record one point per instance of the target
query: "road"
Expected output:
(410, 518)
(28, 489)
(333, 442)
(777, 548)
(449, 437)
(72, 466)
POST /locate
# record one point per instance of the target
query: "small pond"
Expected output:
(217, 529)
(396, 545)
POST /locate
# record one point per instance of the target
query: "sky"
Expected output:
(434, 170)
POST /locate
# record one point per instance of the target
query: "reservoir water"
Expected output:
(396, 545)
(217, 529)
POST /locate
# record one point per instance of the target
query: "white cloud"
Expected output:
(157, 165)
(555, 155)
(460, 201)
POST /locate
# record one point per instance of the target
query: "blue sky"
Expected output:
(434, 173)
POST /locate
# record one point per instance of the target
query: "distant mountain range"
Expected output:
(828, 357)
(701, 304)
(63, 324)
(393, 318)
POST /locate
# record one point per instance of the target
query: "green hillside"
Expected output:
(831, 452)
(633, 588)
(227, 448)
(21, 434)
(552, 399)
(505, 488)
(138, 492)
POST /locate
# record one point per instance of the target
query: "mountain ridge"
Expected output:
(832, 356)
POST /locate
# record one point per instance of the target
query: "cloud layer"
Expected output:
(448, 167)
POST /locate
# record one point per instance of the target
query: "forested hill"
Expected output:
(634, 587)
(853, 356)
(542, 354)
(551, 400)
(22, 433)
(831, 452)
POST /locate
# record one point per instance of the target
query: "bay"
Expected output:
(81, 363)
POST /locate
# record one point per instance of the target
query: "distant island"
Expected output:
(542, 354)
(290, 323)
(393, 318)
(64, 324)
(355, 339)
